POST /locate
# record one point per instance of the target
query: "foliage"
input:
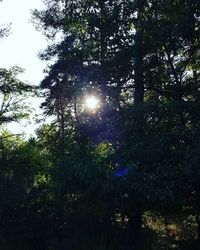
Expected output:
(60, 190)
(13, 93)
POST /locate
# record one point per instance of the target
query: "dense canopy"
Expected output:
(118, 166)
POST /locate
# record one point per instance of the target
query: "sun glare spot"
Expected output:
(91, 102)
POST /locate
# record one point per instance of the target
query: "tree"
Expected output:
(23, 181)
(4, 30)
(13, 93)
(139, 48)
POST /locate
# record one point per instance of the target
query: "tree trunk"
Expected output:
(135, 226)
(139, 88)
(135, 216)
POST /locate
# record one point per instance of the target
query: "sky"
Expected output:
(21, 47)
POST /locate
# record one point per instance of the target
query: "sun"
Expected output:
(91, 102)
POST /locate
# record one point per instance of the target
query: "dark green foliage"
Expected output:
(13, 94)
(61, 190)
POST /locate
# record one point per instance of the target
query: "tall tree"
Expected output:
(122, 47)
